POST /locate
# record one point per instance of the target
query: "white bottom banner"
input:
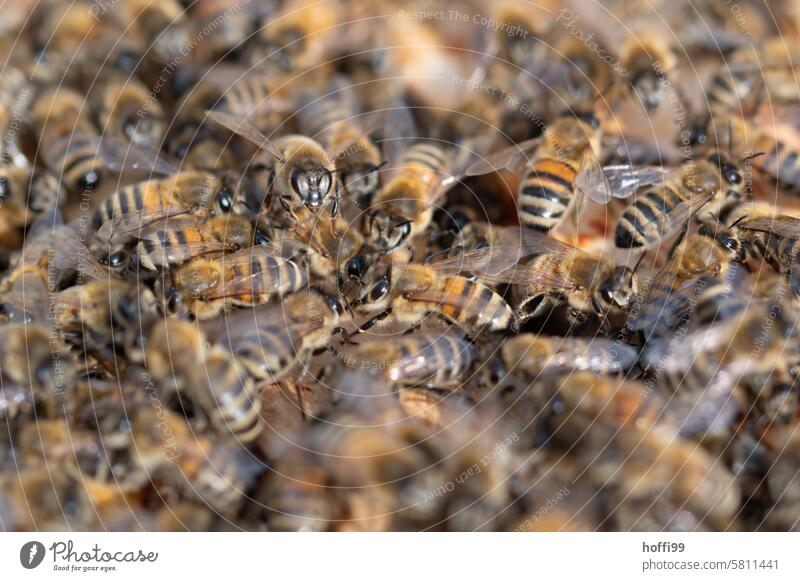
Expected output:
(404, 556)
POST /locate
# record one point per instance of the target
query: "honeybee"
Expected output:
(422, 173)
(68, 140)
(564, 164)
(172, 350)
(545, 272)
(298, 37)
(251, 276)
(36, 189)
(161, 30)
(227, 396)
(439, 359)
(32, 357)
(333, 119)
(139, 205)
(648, 59)
(660, 210)
(301, 171)
(57, 499)
(709, 252)
(219, 474)
(408, 293)
(270, 341)
(534, 355)
(127, 109)
(181, 239)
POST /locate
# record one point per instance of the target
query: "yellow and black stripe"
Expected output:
(545, 193)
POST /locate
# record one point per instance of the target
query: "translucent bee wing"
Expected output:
(598, 354)
(241, 126)
(510, 158)
(74, 254)
(784, 226)
(400, 132)
(624, 180)
(132, 224)
(120, 155)
(592, 181)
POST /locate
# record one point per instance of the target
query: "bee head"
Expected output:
(617, 292)
(311, 186)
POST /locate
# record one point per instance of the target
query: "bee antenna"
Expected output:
(737, 221)
(638, 263)
(730, 137)
(752, 156)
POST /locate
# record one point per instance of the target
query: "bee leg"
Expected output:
(367, 325)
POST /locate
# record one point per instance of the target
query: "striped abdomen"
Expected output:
(781, 162)
(130, 200)
(474, 306)
(438, 359)
(171, 247)
(644, 221)
(545, 193)
(231, 407)
(247, 95)
(269, 354)
(427, 159)
(71, 151)
(730, 90)
(262, 279)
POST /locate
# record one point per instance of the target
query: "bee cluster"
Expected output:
(294, 265)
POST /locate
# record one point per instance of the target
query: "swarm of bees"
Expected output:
(301, 266)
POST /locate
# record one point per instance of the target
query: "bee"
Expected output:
(300, 36)
(160, 30)
(302, 174)
(172, 350)
(272, 340)
(709, 252)
(227, 396)
(57, 499)
(68, 139)
(648, 60)
(438, 359)
(565, 163)
(251, 276)
(32, 357)
(125, 108)
(218, 474)
(423, 172)
(534, 355)
(660, 210)
(180, 240)
(333, 119)
(35, 189)
(334, 249)
(139, 205)
(407, 294)
(545, 272)
(297, 492)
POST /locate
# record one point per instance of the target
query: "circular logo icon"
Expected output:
(31, 554)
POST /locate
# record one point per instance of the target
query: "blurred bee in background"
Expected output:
(126, 109)
(69, 141)
(439, 359)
